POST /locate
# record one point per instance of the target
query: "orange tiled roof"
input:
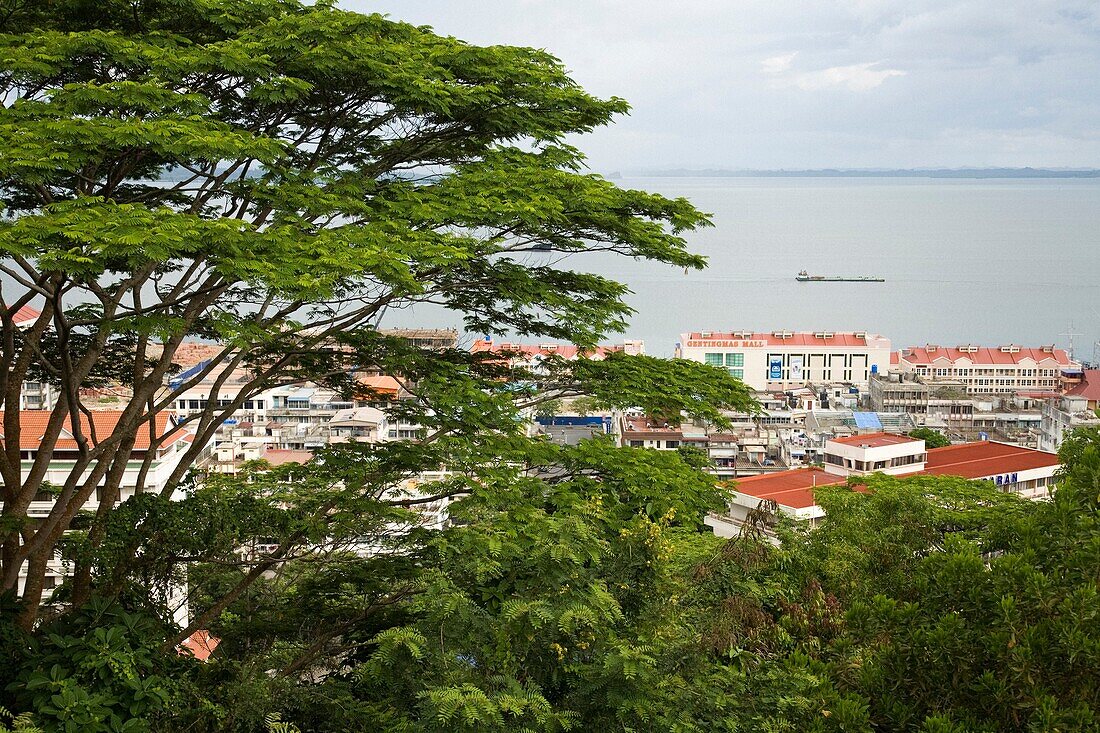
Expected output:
(200, 644)
(1089, 388)
(26, 315)
(32, 426)
(983, 355)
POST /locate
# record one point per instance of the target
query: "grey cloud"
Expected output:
(788, 83)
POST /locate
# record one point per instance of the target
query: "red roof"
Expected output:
(26, 315)
(978, 460)
(200, 644)
(794, 488)
(795, 338)
(380, 384)
(927, 355)
(1089, 388)
(32, 426)
(873, 440)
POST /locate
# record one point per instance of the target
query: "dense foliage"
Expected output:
(932, 438)
(278, 175)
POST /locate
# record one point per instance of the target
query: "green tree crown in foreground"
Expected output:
(278, 176)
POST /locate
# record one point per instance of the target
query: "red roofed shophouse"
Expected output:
(990, 370)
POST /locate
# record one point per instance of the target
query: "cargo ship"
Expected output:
(805, 277)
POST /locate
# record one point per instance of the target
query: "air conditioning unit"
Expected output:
(931, 348)
(1010, 349)
(823, 334)
(706, 334)
(968, 349)
(782, 334)
(742, 334)
(860, 335)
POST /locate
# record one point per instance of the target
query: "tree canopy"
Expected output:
(277, 176)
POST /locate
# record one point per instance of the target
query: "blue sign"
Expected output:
(775, 367)
(1006, 479)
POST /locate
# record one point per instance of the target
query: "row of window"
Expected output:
(985, 372)
(201, 404)
(729, 360)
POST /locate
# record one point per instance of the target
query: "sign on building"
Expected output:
(775, 367)
(796, 368)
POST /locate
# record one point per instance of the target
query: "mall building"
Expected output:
(780, 360)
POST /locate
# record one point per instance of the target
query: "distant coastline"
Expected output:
(867, 173)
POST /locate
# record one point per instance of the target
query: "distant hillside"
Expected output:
(882, 173)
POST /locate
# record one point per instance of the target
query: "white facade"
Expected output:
(784, 359)
(1060, 416)
(891, 455)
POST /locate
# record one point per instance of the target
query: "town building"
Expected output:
(530, 355)
(166, 457)
(433, 339)
(980, 370)
(1029, 473)
(780, 360)
(1077, 408)
(747, 450)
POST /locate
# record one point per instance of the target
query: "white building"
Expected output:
(1079, 407)
(783, 359)
(989, 370)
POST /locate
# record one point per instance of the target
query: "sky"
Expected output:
(774, 84)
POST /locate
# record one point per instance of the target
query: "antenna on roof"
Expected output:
(1070, 333)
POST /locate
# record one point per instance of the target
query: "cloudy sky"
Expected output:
(811, 84)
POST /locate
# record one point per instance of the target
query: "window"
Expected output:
(714, 359)
(735, 360)
(737, 373)
(637, 444)
(672, 444)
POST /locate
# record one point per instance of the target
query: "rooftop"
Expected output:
(566, 351)
(1010, 354)
(794, 488)
(1089, 388)
(278, 457)
(32, 426)
(791, 338)
(25, 315)
(874, 440)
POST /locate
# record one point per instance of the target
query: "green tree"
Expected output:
(278, 176)
(966, 608)
(932, 438)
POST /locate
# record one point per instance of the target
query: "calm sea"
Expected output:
(965, 261)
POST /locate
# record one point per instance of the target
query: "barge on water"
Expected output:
(805, 277)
